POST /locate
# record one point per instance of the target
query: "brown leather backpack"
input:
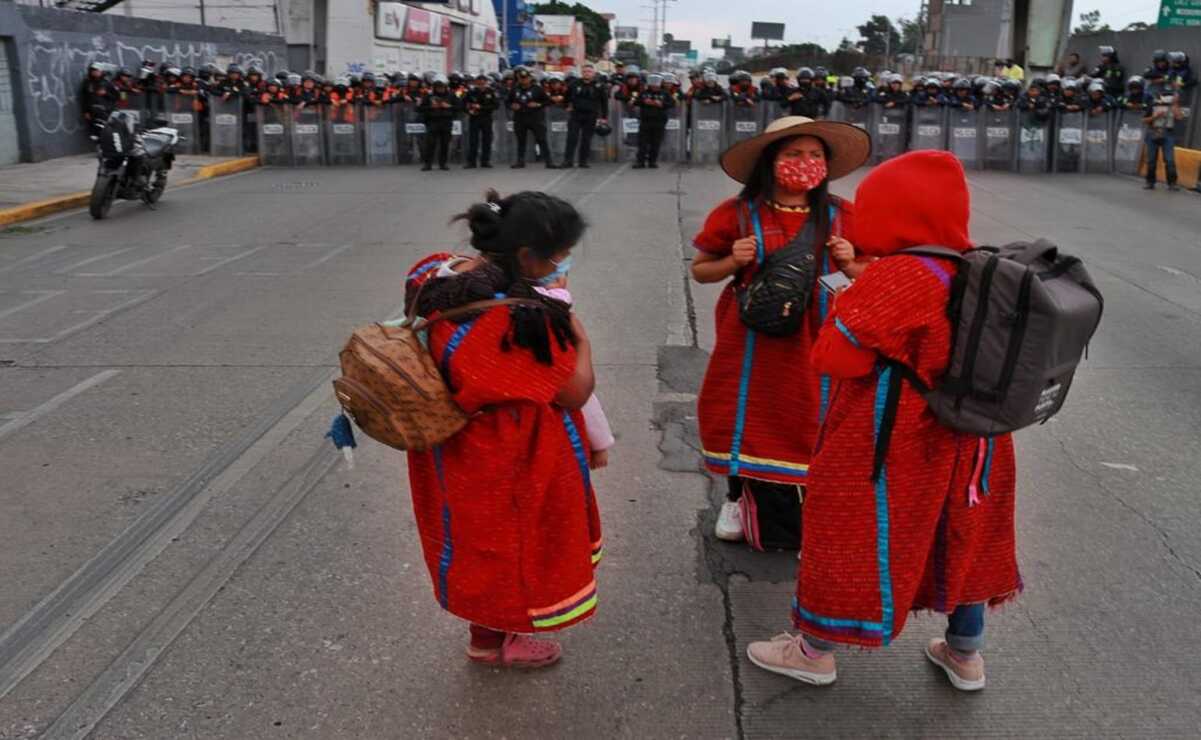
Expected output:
(392, 388)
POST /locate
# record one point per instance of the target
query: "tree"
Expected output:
(635, 51)
(1138, 26)
(1090, 22)
(878, 37)
(912, 35)
(596, 28)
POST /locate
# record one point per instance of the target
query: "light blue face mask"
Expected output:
(561, 270)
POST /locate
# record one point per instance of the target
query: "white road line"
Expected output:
(601, 185)
(42, 295)
(326, 258)
(38, 412)
(303, 268)
(97, 318)
(90, 260)
(33, 257)
(135, 263)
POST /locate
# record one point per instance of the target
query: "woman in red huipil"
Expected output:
(926, 522)
(761, 401)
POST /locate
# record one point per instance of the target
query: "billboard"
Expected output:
(554, 25)
(767, 31)
(678, 46)
(721, 43)
(625, 33)
(390, 21)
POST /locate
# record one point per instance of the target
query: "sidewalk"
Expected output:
(30, 191)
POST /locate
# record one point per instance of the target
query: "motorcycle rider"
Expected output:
(481, 103)
(438, 109)
(528, 102)
(806, 99)
(587, 103)
(1110, 71)
(653, 107)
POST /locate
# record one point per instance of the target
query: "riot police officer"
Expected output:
(528, 103)
(892, 95)
(654, 105)
(962, 96)
(481, 103)
(806, 99)
(742, 90)
(438, 109)
(710, 92)
(98, 97)
(859, 92)
(587, 103)
(1110, 71)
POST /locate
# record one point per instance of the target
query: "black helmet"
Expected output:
(355, 80)
(821, 73)
(1011, 86)
(368, 77)
(253, 70)
(1038, 81)
(455, 77)
(521, 71)
(602, 129)
(123, 72)
(187, 72)
(1159, 55)
(233, 69)
(963, 83)
(283, 74)
(740, 75)
(804, 73)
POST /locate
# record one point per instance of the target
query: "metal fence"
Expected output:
(1017, 141)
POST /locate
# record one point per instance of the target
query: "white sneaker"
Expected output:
(729, 523)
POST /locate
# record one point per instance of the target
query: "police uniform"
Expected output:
(481, 103)
(530, 118)
(438, 109)
(653, 108)
(587, 100)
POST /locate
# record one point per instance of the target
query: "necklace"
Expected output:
(789, 209)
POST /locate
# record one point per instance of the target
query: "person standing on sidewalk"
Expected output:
(1160, 114)
(927, 522)
(761, 401)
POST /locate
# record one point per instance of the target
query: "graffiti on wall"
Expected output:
(57, 65)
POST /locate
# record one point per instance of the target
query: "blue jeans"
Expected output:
(1168, 146)
(965, 630)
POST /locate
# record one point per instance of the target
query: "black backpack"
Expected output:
(1022, 316)
(774, 302)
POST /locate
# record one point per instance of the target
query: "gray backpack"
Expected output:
(1021, 316)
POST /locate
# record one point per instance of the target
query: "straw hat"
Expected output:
(850, 146)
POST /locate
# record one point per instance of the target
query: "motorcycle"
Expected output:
(133, 162)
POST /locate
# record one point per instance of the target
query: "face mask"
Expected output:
(560, 272)
(799, 175)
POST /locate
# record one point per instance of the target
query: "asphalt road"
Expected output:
(182, 555)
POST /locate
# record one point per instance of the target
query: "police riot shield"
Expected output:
(1068, 153)
(627, 132)
(674, 135)
(225, 127)
(743, 122)
(998, 128)
(181, 117)
(272, 129)
(343, 144)
(888, 131)
(1128, 141)
(155, 106)
(308, 142)
(1098, 153)
(458, 140)
(838, 111)
(133, 105)
(556, 130)
(502, 136)
(708, 138)
(858, 116)
(929, 129)
(379, 134)
(407, 150)
(1188, 105)
(1034, 142)
(963, 136)
(604, 148)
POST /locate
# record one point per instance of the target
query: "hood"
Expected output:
(916, 199)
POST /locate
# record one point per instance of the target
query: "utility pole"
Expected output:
(202, 21)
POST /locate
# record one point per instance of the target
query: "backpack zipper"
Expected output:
(397, 368)
(367, 395)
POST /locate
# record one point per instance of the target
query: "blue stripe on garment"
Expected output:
(581, 455)
(424, 269)
(751, 467)
(824, 381)
(846, 332)
(744, 389)
(452, 346)
(448, 548)
(832, 623)
(992, 443)
(882, 555)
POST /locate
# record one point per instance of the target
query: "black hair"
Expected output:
(546, 225)
(760, 187)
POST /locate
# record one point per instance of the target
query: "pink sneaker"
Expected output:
(966, 674)
(518, 651)
(784, 655)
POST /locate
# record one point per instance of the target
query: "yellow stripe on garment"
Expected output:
(596, 556)
(725, 456)
(580, 610)
(566, 602)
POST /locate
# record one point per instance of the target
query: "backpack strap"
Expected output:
(477, 307)
(887, 417)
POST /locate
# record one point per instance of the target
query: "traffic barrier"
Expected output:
(889, 132)
(225, 127)
(379, 134)
(1098, 150)
(708, 138)
(1034, 142)
(343, 141)
(1128, 141)
(998, 134)
(181, 116)
(1067, 154)
(308, 143)
(556, 131)
(743, 122)
(963, 136)
(929, 128)
(272, 125)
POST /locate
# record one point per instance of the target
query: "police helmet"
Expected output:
(521, 71)
(96, 67)
(429, 75)
(553, 77)
(895, 78)
(440, 79)
(368, 77)
(1053, 79)
(1136, 81)
(355, 80)
(633, 71)
(1159, 55)
(1096, 87)
(694, 73)
(507, 74)
(740, 75)
(294, 79)
(710, 77)
(1011, 86)
(455, 77)
(572, 74)
(778, 72)
(274, 82)
(654, 80)
(342, 81)
(990, 88)
(211, 69)
(962, 83)
(1071, 84)
(860, 73)
(804, 73)
(123, 72)
(481, 77)
(233, 69)
(1106, 51)
(187, 72)
(1177, 57)
(670, 79)
(254, 70)
(932, 82)
(821, 72)
(602, 129)
(1038, 81)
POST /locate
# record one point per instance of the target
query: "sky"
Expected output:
(805, 21)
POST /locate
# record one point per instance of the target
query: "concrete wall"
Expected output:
(1135, 47)
(975, 30)
(54, 48)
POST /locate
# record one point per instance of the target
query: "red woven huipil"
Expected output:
(872, 551)
(761, 401)
(506, 511)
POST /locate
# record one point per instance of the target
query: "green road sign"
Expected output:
(1179, 13)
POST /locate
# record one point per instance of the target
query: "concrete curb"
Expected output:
(47, 206)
